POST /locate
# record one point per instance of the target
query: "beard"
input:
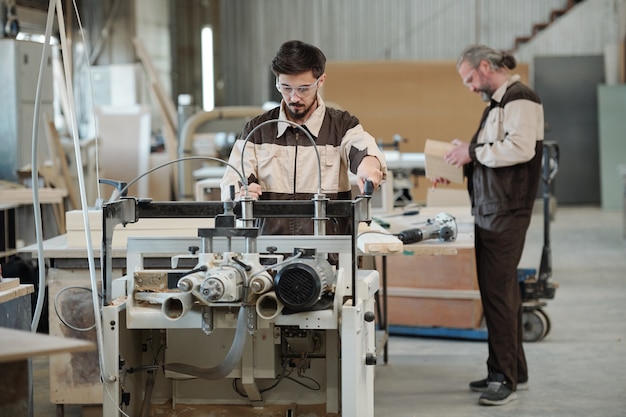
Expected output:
(298, 111)
(486, 92)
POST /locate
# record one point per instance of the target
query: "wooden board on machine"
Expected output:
(144, 227)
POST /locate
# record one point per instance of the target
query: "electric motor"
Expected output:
(299, 285)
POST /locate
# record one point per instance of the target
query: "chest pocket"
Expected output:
(331, 167)
(268, 153)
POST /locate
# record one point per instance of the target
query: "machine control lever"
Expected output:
(120, 186)
(245, 266)
(368, 187)
(368, 190)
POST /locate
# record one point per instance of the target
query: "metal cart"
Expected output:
(538, 287)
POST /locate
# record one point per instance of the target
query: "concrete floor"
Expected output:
(579, 369)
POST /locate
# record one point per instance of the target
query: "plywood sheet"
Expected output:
(414, 99)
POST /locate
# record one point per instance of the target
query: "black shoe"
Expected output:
(481, 385)
(497, 393)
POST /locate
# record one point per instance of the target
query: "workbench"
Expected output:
(18, 344)
(427, 289)
(75, 376)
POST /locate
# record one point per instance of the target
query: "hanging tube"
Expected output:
(228, 364)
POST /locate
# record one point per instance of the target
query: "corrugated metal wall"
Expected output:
(362, 30)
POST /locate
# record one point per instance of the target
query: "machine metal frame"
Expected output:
(347, 328)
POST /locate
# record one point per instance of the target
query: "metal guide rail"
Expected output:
(131, 210)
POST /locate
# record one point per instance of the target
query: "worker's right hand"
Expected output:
(254, 191)
(440, 180)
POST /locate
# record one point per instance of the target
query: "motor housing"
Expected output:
(300, 284)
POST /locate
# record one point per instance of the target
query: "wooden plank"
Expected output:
(53, 134)
(25, 195)
(373, 239)
(436, 167)
(433, 293)
(9, 283)
(166, 108)
(20, 344)
(169, 109)
(14, 293)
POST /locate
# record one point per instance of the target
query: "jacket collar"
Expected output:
(499, 93)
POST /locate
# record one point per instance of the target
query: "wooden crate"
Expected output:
(435, 312)
(434, 290)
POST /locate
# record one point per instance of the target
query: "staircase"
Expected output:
(538, 27)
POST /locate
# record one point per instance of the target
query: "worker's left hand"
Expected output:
(369, 169)
(458, 156)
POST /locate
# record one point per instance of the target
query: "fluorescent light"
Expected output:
(208, 92)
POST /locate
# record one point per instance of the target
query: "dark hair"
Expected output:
(473, 54)
(296, 57)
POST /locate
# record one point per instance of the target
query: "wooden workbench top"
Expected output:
(56, 247)
(20, 344)
(25, 195)
(465, 225)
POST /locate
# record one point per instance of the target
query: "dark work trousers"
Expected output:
(499, 242)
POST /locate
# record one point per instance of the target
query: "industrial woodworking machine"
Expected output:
(238, 319)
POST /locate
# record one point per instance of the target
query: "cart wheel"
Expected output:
(535, 325)
(548, 323)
